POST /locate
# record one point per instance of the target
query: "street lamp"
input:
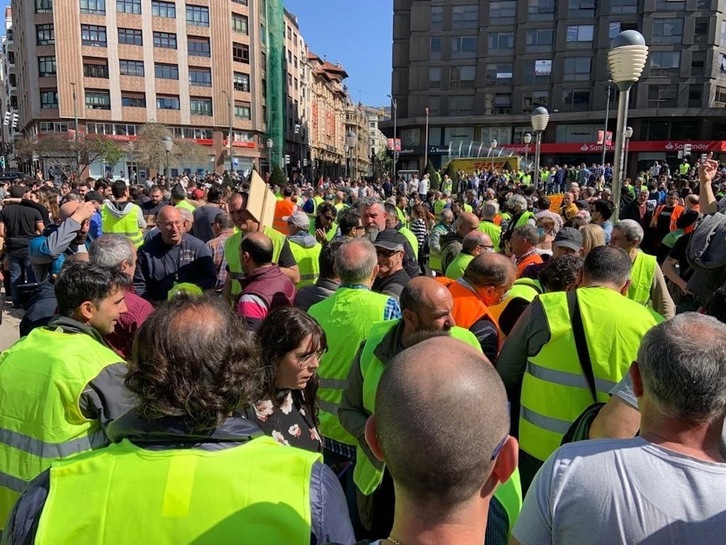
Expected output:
(540, 118)
(270, 145)
(527, 141)
(229, 115)
(492, 145)
(168, 143)
(628, 136)
(605, 131)
(345, 150)
(351, 140)
(395, 119)
(626, 60)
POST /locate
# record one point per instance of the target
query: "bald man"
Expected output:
(473, 244)
(451, 243)
(452, 423)
(49, 251)
(172, 257)
(426, 306)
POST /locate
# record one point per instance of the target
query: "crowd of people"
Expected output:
(394, 362)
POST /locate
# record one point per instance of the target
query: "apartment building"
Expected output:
(482, 66)
(8, 92)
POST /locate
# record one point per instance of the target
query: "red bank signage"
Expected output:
(672, 146)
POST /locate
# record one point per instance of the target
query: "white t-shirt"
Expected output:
(623, 491)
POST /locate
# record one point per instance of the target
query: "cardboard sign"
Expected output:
(261, 201)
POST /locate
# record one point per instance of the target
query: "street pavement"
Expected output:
(9, 327)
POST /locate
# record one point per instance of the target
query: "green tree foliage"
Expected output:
(278, 177)
(434, 176)
(149, 151)
(451, 171)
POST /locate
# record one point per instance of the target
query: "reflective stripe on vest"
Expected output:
(641, 278)
(307, 262)
(347, 317)
(232, 255)
(366, 475)
(126, 225)
(55, 367)
(554, 389)
(258, 492)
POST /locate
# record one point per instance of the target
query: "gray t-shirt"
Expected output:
(612, 491)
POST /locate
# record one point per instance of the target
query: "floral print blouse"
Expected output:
(287, 422)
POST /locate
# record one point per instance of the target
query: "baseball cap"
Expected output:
(569, 237)
(298, 219)
(94, 196)
(198, 193)
(390, 239)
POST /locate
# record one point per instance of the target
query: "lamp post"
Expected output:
(527, 141)
(605, 131)
(168, 143)
(626, 60)
(270, 145)
(346, 149)
(229, 115)
(75, 126)
(628, 136)
(492, 145)
(540, 118)
(351, 139)
(394, 104)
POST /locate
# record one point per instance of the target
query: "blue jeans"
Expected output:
(21, 272)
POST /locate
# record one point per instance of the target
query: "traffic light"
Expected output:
(15, 121)
(6, 119)
(687, 149)
(297, 128)
(287, 159)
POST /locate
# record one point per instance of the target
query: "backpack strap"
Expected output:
(578, 331)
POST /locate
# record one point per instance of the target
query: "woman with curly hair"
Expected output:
(291, 344)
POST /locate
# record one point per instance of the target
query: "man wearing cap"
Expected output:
(123, 217)
(375, 219)
(391, 277)
(304, 248)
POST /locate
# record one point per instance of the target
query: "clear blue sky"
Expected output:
(356, 33)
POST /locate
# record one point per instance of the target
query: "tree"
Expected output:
(451, 171)
(278, 177)
(149, 151)
(60, 150)
(434, 176)
(383, 164)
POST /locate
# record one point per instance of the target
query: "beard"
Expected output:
(372, 232)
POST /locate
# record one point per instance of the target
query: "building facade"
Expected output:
(482, 66)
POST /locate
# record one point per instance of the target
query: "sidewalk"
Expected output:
(9, 328)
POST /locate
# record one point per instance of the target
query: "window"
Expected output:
(662, 96)
(131, 68)
(435, 48)
(698, 62)
(97, 7)
(95, 68)
(240, 2)
(200, 77)
(623, 7)
(579, 33)
(437, 17)
(133, 100)
(167, 102)
(462, 77)
(163, 9)
(198, 15)
(48, 99)
(665, 63)
(46, 66)
(577, 69)
(700, 33)
(540, 10)
(200, 106)
(98, 100)
(434, 77)
(502, 104)
(501, 13)
(241, 82)
(241, 53)
(461, 105)
(45, 34)
(703, 4)
(128, 6)
(93, 35)
(43, 6)
(130, 36)
(242, 110)
(723, 34)
(198, 47)
(721, 95)
(463, 47)
(534, 99)
(239, 23)
(576, 100)
(667, 31)
(501, 43)
(613, 30)
(670, 5)
(581, 8)
(465, 16)
(165, 39)
(695, 95)
(540, 39)
(537, 71)
(499, 73)
(166, 71)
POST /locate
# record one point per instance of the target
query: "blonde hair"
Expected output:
(592, 236)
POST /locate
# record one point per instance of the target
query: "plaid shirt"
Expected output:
(216, 245)
(392, 311)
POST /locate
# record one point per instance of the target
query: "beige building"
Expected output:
(117, 64)
(357, 134)
(297, 107)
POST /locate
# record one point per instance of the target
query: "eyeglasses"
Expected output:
(329, 218)
(499, 448)
(307, 358)
(386, 253)
(485, 246)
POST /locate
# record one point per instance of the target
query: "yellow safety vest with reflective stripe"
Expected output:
(126, 225)
(683, 168)
(641, 278)
(493, 230)
(554, 388)
(347, 317)
(330, 234)
(307, 261)
(42, 377)
(232, 255)
(257, 492)
(366, 475)
(458, 266)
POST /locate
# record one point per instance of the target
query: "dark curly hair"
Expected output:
(282, 331)
(194, 359)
